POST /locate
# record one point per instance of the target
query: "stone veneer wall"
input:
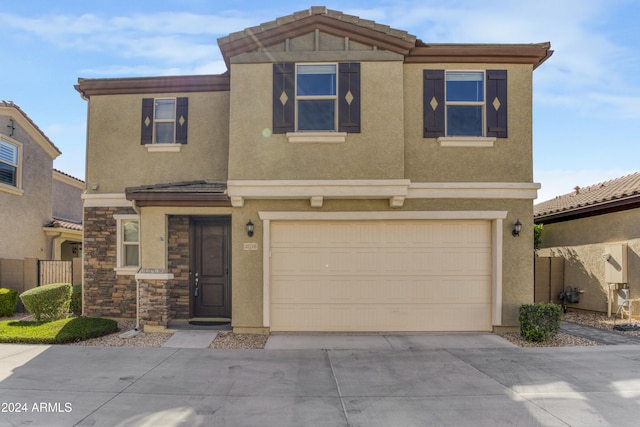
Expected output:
(178, 252)
(105, 293)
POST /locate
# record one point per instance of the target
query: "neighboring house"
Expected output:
(596, 230)
(342, 175)
(40, 208)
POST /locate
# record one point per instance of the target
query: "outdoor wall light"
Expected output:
(517, 227)
(249, 227)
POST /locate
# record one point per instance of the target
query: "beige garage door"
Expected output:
(380, 276)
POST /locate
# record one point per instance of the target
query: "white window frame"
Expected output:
(121, 268)
(317, 97)
(481, 104)
(156, 120)
(13, 189)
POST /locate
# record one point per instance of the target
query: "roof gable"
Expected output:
(24, 121)
(319, 18)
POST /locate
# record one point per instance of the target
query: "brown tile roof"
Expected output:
(11, 104)
(191, 193)
(69, 176)
(66, 224)
(181, 187)
(624, 190)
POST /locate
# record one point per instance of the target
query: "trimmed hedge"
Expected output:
(539, 322)
(8, 301)
(76, 300)
(48, 302)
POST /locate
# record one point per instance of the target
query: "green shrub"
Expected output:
(539, 322)
(76, 300)
(48, 302)
(8, 301)
(61, 331)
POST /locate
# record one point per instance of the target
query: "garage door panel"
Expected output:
(381, 276)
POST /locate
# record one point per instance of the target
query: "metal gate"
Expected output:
(55, 271)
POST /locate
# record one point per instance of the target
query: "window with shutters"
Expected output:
(316, 102)
(164, 123)
(9, 164)
(465, 108)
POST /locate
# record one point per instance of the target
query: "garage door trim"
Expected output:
(496, 218)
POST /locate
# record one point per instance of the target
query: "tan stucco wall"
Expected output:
(582, 242)
(377, 152)
(510, 160)
(116, 159)
(66, 200)
(247, 265)
(23, 216)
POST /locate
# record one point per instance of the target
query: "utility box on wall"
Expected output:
(615, 263)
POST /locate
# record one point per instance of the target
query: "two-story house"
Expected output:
(40, 207)
(342, 175)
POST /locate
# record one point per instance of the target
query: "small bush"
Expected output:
(48, 302)
(8, 301)
(72, 329)
(539, 322)
(76, 300)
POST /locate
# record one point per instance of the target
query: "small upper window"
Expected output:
(316, 97)
(164, 114)
(8, 163)
(465, 103)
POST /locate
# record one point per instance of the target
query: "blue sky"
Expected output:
(586, 96)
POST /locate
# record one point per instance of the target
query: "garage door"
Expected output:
(380, 276)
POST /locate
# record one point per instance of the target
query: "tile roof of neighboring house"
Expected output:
(11, 104)
(624, 191)
(69, 176)
(66, 224)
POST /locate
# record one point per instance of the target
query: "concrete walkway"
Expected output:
(435, 380)
(599, 335)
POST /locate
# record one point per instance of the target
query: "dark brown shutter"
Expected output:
(433, 103)
(283, 97)
(497, 103)
(147, 121)
(182, 114)
(349, 97)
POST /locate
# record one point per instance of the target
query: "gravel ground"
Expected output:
(229, 340)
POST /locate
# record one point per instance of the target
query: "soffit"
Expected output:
(144, 85)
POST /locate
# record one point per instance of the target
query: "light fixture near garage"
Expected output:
(249, 227)
(517, 227)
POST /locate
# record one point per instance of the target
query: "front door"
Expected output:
(211, 281)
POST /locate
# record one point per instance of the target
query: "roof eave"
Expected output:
(617, 205)
(164, 84)
(534, 54)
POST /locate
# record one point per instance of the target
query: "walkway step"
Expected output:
(191, 339)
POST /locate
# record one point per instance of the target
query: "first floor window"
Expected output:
(131, 243)
(8, 163)
(128, 237)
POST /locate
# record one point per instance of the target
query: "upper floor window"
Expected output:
(316, 97)
(164, 120)
(465, 103)
(9, 155)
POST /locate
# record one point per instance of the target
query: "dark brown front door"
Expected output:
(211, 281)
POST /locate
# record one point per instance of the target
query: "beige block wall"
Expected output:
(582, 242)
(116, 159)
(510, 160)
(377, 152)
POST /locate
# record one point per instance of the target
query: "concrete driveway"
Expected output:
(400, 380)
